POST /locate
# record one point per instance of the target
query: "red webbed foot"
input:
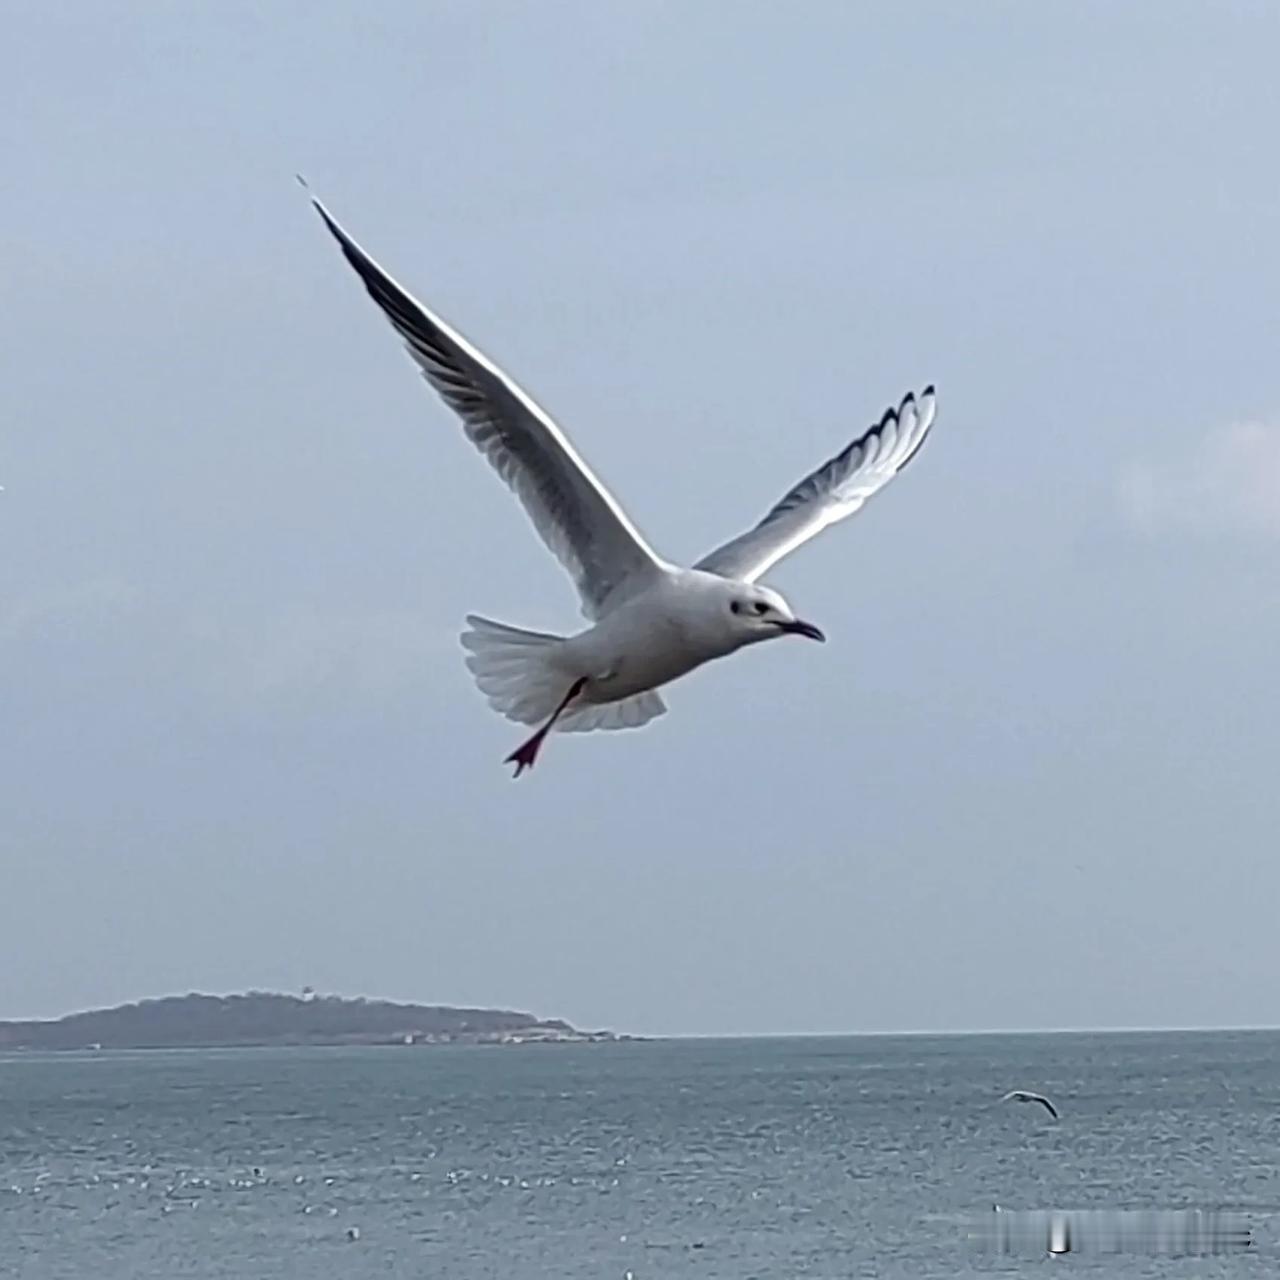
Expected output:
(526, 753)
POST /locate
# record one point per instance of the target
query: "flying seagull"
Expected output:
(653, 621)
(1022, 1095)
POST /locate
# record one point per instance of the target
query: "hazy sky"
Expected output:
(1030, 781)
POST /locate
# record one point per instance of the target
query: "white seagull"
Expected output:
(653, 621)
(1024, 1095)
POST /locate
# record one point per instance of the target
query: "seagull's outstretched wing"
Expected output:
(831, 493)
(1025, 1095)
(576, 516)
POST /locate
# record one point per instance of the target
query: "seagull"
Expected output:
(1022, 1095)
(652, 621)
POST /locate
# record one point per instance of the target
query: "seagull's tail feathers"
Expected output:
(518, 673)
(515, 669)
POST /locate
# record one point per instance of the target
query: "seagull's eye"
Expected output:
(735, 607)
(761, 607)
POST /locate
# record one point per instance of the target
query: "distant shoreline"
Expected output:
(92, 1050)
(263, 1020)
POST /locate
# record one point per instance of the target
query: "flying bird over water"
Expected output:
(1022, 1095)
(652, 621)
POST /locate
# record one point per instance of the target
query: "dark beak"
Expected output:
(798, 628)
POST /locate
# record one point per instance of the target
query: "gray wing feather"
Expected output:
(834, 491)
(575, 515)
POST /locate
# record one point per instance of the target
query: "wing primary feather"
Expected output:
(575, 515)
(838, 488)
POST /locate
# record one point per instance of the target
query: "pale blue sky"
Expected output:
(1031, 779)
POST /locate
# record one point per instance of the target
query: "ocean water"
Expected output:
(720, 1160)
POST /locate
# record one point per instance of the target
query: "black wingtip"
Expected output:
(929, 390)
(318, 207)
(336, 231)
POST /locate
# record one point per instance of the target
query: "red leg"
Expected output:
(526, 753)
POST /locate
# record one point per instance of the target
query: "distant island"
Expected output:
(261, 1018)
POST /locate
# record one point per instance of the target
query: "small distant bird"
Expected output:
(353, 1233)
(1022, 1095)
(654, 621)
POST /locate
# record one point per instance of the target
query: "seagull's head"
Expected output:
(757, 613)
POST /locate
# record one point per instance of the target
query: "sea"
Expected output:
(761, 1159)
